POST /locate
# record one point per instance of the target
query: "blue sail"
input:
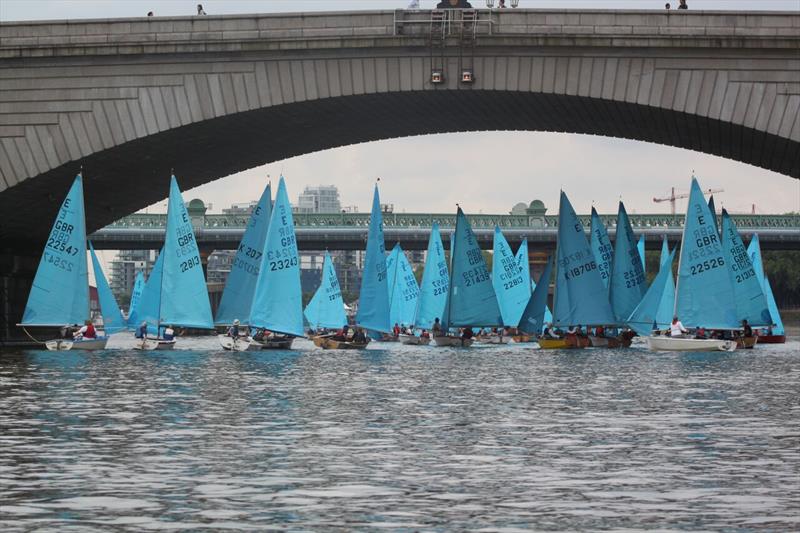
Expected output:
(472, 300)
(404, 290)
(580, 298)
(112, 316)
(751, 304)
(713, 212)
(278, 299)
(534, 317)
(628, 283)
(511, 283)
(704, 292)
(184, 295)
(435, 283)
(241, 284)
(658, 297)
(640, 248)
(326, 308)
(373, 301)
(664, 251)
(149, 305)
(754, 251)
(136, 295)
(667, 306)
(601, 248)
(60, 291)
(773, 309)
(522, 260)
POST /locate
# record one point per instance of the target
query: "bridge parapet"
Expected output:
(367, 29)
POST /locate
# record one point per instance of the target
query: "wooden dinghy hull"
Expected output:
(523, 338)
(327, 343)
(610, 342)
(772, 339)
(276, 343)
(413, 340)
(680, 344)
(566, 343)
(746, 343)
(456, 342)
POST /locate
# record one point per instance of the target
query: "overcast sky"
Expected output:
(491, 171)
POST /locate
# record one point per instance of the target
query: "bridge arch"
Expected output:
(130, 99)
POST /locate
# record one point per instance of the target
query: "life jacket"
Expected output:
(90, 332)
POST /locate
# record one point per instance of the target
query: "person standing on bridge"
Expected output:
(667, 6)
(200, 10)
(683, 5)
(414, 4)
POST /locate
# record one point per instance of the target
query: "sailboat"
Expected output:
(628, 284)
(433, 289)
(237, 297)
(511, 283)
(59, 295)
(326, 308)
(522, 335)
(136, 295)
(751, 303)
(654, 311)
(277, 304)
(113, 322)
(471, 299)
(534, 317)
(175, 293)
(580, 296)
(775, 334)
(704, 296)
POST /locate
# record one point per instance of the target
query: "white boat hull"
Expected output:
(277, 343)
(681, 344)
(154, 344)
(239, 344)
(494, 339)
(453, 341)
(60, 345)
(413, 340)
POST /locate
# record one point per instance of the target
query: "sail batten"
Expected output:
(277, 302)
(60, 291)
(237, 298)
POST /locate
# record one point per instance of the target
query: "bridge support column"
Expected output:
(16, 277)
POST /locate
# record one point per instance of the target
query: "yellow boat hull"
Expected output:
(566, 343)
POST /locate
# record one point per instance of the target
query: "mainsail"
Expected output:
(150, 303)
(628, 283)
(754, 251)
(278, 299)
(60, 291)
(435, 283)
(535, 315)
(241, 284)
(403, 289)
(660, 295)
(184, 299)
(326, 308)
(580, 297)
(511, 282)
(373, 301)
(472, 300)
(601, 248)
(136, 296)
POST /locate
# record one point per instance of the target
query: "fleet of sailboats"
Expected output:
(601, 295)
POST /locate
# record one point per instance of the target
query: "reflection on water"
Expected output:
(399, 437)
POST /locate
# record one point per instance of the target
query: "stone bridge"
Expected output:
(130, 99)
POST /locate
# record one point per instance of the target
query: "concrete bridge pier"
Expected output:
(16, 277)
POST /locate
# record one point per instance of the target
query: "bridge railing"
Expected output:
(426, 220)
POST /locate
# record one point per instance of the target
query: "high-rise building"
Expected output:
(319, 199)
(125, 267)
(244, 208)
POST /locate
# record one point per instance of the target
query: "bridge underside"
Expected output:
(124, 179)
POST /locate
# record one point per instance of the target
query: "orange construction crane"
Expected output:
(672, 197)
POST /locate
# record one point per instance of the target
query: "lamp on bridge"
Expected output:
(437, 76)
(467, 76)
(514, 3)
(490, 4)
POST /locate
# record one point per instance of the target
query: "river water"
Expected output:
(404, 438)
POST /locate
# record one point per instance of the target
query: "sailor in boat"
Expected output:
(169, 333)
(233, 331)
(359, 336)
(67, 332)
(676, 329)
(141, 331)
(467, 333)
(700, 332)
(86, 332)
(550, 332)
(748, 331)
(341, 335)
(396, 330)
(437, 328)
(425, 334)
